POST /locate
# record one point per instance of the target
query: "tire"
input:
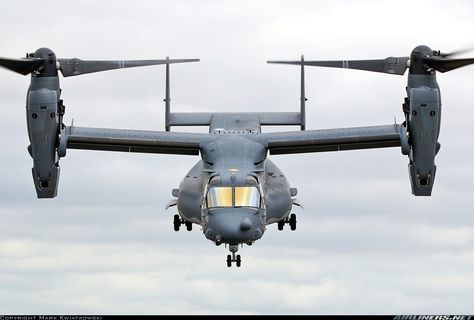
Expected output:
(229, 260)
(293, 222)
(281, 224)
(238, 260)
(189, 226)
(176, 219)
(176, 226)
(293, 218)
(176, 222)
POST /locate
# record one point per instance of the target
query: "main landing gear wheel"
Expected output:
(291, 221)
(234, 257)
(189, 225)
(281, 224)
(177, 222)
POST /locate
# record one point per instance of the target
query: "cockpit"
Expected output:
(233, 196)
(218, 197)
(233, 211)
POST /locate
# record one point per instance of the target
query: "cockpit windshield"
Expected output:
(219, 197)
(247, 196)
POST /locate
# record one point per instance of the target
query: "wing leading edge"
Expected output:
(134, 140)
(332, 139)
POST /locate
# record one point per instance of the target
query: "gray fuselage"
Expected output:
(237, 164)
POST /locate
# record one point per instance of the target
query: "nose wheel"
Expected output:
(234, 257)
(291, 221)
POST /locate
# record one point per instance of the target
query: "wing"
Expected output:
(135, 140)
(331, 139)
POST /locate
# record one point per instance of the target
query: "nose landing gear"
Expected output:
(233, 258)
(291, 221)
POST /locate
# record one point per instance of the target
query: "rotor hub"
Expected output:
(49, 67)
(417, 60)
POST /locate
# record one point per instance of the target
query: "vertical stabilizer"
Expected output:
(302, 97)
(167, 97)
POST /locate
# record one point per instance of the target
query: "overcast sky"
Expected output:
(364, 244)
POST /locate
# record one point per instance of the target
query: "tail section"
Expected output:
(248, 121)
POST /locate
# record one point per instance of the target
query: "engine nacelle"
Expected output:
(43, 131)
(423, 126)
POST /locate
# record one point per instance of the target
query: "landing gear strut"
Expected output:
(177, 222)
(233, 258)
(291, 221)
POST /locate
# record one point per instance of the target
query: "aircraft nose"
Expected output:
(234, 225)
(245, 224)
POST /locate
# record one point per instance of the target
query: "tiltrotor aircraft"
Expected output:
(234, 191)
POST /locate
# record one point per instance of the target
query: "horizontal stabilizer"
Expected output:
(249, 120)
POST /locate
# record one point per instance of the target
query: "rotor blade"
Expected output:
(22, 66)
(75, 67)
(444, 64)
(392, 65)
(455, 53)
